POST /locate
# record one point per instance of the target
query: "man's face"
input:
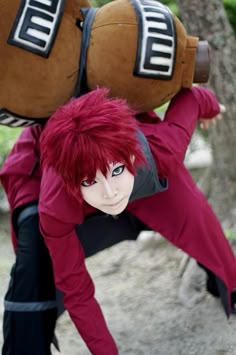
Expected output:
(109, 194)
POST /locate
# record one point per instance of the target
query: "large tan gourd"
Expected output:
(36, 79)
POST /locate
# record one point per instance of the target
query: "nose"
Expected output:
(108, 190)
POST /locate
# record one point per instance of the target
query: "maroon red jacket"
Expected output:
(181, 213)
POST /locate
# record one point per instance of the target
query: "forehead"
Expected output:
(109, 167)
(104, 170)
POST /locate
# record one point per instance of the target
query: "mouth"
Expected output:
(114, 205)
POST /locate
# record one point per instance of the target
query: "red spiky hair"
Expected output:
(86, 135)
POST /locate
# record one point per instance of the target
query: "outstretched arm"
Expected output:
(169, 139)
(58, 216)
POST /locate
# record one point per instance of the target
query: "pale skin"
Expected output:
(205, 124)
(111, 193)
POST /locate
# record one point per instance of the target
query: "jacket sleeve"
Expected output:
(70, 273)
(170, 138)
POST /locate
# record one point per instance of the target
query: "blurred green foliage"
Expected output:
(230, 234)
(7, 138)
(171, 4)
(230, 6)
(99, 3)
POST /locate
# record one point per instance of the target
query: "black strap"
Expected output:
(27, 212)
(81, 86)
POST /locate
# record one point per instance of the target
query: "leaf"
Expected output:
(230, 234)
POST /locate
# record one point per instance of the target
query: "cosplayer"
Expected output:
(54, 50)
(93, 188)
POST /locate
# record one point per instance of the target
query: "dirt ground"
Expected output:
(139, 288)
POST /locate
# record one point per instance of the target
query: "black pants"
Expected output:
(31, 305)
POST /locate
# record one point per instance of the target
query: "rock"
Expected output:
(192, 289)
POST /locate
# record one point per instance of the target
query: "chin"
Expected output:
(117, 210)
(120, 209)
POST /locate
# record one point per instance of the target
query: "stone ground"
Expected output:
(138, 287)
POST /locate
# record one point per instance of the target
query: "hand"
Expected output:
(205, 123)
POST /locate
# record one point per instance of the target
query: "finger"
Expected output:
(222, 108)
(204, 125)
(213, 122)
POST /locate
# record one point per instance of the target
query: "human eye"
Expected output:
(118, 170)
(87, 183)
